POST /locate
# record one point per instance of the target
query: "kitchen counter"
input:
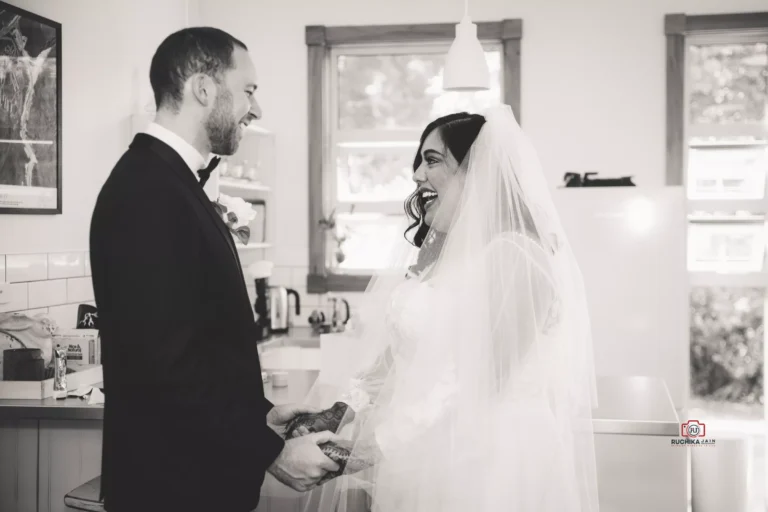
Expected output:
(626, 405)
(634, 405)
(78, 409)
(50, 409)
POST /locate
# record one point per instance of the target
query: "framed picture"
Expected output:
(30, 113)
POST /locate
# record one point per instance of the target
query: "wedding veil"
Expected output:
(472, 358)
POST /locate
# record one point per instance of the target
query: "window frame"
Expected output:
(325, 42)
(681, 32)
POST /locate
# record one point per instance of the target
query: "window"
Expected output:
(379, 87)
(717, 147)
(727, 153)
(382, 100)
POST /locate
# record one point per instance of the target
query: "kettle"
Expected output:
(280, 310)
(339, 324)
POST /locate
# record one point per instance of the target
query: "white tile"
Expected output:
(2, 268)
(35, 312)
(66, 264)
(87, 259)
(300, 276)
(291, 256)
(17, 300)
(20, 268)
(47, 293)
(64, 316)
(281, 276)
(79, 289)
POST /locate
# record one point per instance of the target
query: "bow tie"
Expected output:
(206, 173)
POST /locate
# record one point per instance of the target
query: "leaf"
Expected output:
(231, 217)
(220, 209)
(243, 234)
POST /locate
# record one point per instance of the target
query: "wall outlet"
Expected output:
(5, 293)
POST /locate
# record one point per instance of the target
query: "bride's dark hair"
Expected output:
(458, 132)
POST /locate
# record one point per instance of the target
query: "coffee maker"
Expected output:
(260, 272)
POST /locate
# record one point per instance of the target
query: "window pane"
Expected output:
(404, 91)
(364, 175)
(727, 344)
(726, 247)
(728, 83)
(727, 172)
(369, 241)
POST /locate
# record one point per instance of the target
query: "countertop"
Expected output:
(634, 405)
(626, 405)
(77, 409)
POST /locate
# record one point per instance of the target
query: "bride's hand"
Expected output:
(352, 457)
(332, 419)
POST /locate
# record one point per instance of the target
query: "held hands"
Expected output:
(351, 456)
(332, 419)
(302, 465)
(316, 428)
(280, 416)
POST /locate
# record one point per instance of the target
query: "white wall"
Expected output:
(593, 80)
(107, 47)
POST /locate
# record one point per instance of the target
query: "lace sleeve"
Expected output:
(364, 388)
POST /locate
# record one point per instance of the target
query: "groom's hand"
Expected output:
(333, 419)
(280, 415)
(302, 465)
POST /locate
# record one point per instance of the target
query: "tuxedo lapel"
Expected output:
(182, 172)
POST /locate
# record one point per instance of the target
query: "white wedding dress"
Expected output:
(475, 378)
(523, 466)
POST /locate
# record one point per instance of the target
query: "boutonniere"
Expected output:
(236, 214)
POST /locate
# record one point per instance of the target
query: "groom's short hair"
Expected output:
(192, 50)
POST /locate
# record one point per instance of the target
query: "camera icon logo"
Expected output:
(693, 428)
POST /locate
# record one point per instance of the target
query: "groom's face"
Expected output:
(235, 105)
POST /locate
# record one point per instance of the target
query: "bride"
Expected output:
(472, 384)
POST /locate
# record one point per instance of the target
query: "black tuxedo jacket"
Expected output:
(185, 414)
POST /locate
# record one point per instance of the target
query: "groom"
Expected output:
(186, 423)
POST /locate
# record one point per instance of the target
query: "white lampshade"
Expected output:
(465, 65)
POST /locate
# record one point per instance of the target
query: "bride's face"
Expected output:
(440, 179)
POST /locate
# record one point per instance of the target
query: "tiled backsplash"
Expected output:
(55, 283)
(296, 278)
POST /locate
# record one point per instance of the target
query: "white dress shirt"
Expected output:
(191, 156)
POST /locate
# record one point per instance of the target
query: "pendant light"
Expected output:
(465, 65)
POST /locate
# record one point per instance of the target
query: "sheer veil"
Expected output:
(472, 371)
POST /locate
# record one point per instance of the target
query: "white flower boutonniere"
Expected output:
(236, 214)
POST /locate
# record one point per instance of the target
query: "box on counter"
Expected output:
(83, 346)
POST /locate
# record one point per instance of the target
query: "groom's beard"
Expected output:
(221, 126)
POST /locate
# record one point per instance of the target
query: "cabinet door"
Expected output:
(18, 465)
(641, 473)
(70, 455)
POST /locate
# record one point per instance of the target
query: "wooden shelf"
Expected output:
(252, 246)
(239, 186)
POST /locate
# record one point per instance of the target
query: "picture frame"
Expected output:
(30, 117)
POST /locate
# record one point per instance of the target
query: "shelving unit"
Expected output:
(257, 149)
(231, 186)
